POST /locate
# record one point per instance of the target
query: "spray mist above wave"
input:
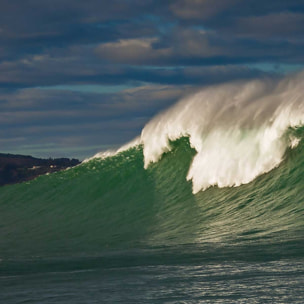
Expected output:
(238, 130)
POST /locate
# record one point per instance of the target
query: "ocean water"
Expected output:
(205, 206)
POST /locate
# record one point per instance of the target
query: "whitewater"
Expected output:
(238, 130)
(205, 206)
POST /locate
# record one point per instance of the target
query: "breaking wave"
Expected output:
(141, 196)
(238, 130)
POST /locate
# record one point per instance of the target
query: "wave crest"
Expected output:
(238, 130)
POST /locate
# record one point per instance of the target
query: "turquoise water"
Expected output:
(110, 231)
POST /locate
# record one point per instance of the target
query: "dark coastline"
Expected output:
(19, 168)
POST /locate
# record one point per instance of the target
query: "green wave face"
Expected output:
(115, 204)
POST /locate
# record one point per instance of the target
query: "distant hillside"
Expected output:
(19, 168)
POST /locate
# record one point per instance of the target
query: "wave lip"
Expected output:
(104, 154)
(239, 130)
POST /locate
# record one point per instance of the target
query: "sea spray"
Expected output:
(238, 130)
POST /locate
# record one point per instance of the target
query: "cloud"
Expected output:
(73, 119)
(283, 25)
(80, 66)
(176, 48)
(199, 9)
(31, 27)
(199, 47)
(132, 51)
(252, 19)
(150, 32)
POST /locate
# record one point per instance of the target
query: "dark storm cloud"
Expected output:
(32, 18)
(200, 47)
(29, 27)
(250, 18)
(54, 42)
(282, 25)
(79, 66)
(200, 9)
(32, 26)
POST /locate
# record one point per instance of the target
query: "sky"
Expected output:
(78, 77)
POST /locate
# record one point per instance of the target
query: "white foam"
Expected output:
(237, 129)
(108, 153)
